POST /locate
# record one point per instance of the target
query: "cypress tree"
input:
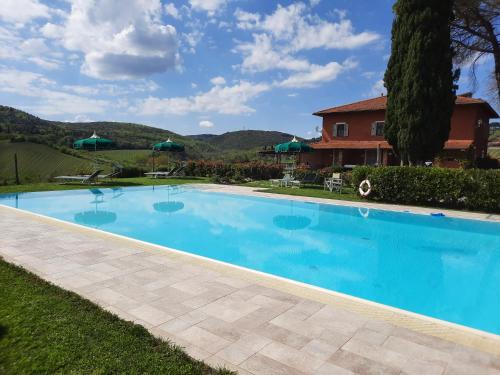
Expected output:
(420, 80)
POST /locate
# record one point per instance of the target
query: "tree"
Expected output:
(475, 34)
(420, 80)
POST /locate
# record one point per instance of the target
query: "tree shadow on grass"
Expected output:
(3, 331)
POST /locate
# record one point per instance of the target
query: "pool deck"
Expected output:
(241, 319)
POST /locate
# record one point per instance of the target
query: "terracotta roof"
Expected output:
(454, 144)
(380, 103)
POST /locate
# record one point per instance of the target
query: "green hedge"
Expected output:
(233, 172)
(472, 189)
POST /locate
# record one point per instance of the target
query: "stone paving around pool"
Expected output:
(219, 315)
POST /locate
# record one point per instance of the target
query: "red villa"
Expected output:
(352, 134)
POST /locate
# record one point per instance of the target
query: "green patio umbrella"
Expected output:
(294, 146)
(169, 146)
(93, 143)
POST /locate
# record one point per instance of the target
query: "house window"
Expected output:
(378, 128)
(340, 130)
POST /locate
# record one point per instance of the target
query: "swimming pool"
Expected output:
(436, 266)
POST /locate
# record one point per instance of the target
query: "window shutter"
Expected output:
(374, 128)
(335, 130)
(346, 132)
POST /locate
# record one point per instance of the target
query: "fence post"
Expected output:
(15, 167)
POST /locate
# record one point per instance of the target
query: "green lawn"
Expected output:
(47, 330)
(123, 182)
(315, 191)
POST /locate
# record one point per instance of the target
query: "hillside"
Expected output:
(37, 162)
(14, 122)
(244, 139)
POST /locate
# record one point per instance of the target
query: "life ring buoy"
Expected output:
(365, 188)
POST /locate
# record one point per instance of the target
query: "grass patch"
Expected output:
(45, 329)
(315, 191)
(119, 182)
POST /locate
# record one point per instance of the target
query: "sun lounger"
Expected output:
(84, 179)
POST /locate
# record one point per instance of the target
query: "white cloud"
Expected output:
(317, 74)
(120, 39)
(23, 11)
(48, 100)
(299, 31)
(209, 6)
(172, 11)
(218, 81)
(220, 99)
(35, 50)
(378, 88)
(314, 2)
(260, 56)
(206, 124)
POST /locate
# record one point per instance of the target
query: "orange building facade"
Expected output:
(352, 134)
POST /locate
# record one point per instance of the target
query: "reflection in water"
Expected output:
(95, 218)
(291, 222)
(169, 207)
(364, 212)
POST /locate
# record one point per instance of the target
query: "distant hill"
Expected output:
(232, 146)
(14, 122)
(244, 139)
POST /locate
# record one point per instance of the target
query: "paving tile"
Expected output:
(283, 335)
(150, 314)
(407, 364)
(229, 309)
(369, 336)
(220, 363)
(204, 339)
(360, 365)
(331, 369)
(423, 339)
(291, 357)
(259, 364)
(222, 328)
(320, 349)
(244, 348)
(417, 351)
(462, 368)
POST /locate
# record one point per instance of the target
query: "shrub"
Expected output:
(472, 189)
(233, 172)
(132, 172)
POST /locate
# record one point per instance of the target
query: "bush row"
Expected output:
(472, 189)
(233, 172)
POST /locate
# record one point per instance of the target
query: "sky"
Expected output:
(195, 66)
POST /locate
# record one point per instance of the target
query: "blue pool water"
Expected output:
(437, 266)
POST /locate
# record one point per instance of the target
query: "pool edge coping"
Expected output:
(456, 333)
(417, 210)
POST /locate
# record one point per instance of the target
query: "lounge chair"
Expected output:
(279, 181)
(161, 174)
(84, 179)
(334, 183)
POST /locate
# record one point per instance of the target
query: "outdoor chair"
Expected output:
(334, 183)
(84, 179)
